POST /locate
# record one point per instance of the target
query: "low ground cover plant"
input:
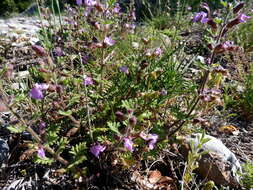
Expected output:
(108, 92)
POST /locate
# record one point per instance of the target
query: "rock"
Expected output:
(219, 164)
(4, 151)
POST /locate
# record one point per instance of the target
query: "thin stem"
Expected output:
(202, 85)
(34, 134)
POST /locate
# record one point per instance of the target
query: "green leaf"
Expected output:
(103, 129)
(114, 126)
(74, 99)
(224, 3)
(19, 98)
(144, 115)
(17, 129)
(65, 113)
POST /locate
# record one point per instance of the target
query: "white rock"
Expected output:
(218, 157)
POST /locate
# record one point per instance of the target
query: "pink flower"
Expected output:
(243, 18)
(41, 153)
(108, 41)
(151, 138)
(97, 149)
(58, 51)
(158, 52)
(88, 81)
(128, 144)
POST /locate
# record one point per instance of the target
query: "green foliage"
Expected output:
(9, 6)
(246, 100)
(243, 37)
(192, 160)
(102, 93)
(247, 176)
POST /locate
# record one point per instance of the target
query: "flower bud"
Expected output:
(99, 7)
(40, 51)
(120, 116)
(133, 121)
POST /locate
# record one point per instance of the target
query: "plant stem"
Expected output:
(34, 134)
(202, 85)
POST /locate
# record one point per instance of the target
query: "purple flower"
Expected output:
(42, 127)
(88, 81)
(90, 3)
(157, 52)
(130, 26)
(128, 144)
(41, 153)
(87, 11)
(36, 91)
(124, 69)
(227, 44)
(85, 59)
(151, 138)
(109, 41)
(97, 149)
(116, 9)
(79, 2)
(243, 18)
(42, 86)
(239, 19)
(58, 51)
(200, 17)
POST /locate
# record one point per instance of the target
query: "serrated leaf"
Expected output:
(114, 126)
(17, 129)
(65, 113)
